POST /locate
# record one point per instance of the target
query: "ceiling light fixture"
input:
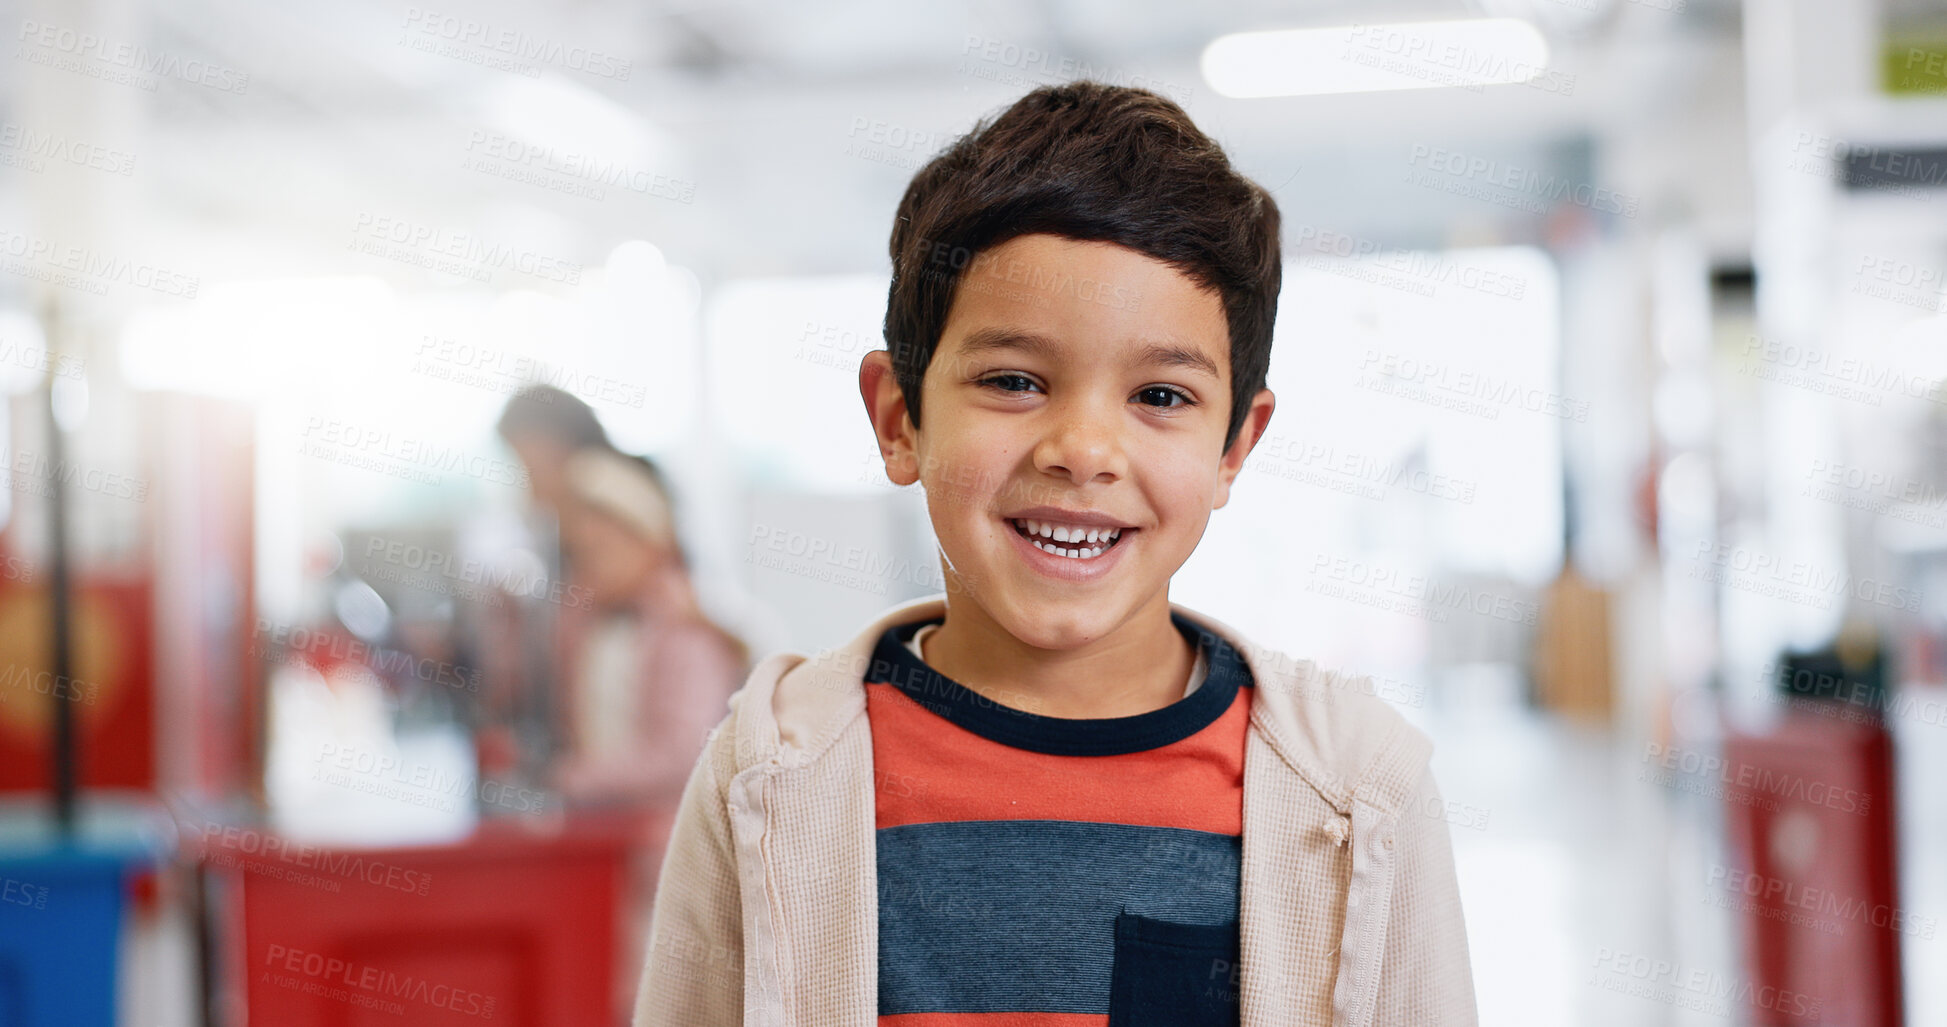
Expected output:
(1468, 53)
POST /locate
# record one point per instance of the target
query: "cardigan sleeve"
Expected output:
(693, 975)
(1426, 977)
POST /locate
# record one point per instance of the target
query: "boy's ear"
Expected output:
(885, 405)
(1255, 421)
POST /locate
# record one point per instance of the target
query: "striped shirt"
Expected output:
(1051, 872)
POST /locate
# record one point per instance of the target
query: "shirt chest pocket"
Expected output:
(1175, 974)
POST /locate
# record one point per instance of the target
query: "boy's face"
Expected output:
(1083, 376)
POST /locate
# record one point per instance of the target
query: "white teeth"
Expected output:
(1094, 541)
(1066, 533)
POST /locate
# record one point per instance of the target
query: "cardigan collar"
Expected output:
(1346, 744)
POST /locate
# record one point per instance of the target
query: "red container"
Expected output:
(1809, 810)
(113, 684)
(510, 927)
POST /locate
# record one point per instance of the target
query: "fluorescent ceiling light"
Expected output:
(1366, 58)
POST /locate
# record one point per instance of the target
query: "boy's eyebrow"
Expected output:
(1157, 354)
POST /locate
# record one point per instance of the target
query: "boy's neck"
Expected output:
(1142, 666)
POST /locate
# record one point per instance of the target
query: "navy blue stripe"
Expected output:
(1226, 672)
(990, 916)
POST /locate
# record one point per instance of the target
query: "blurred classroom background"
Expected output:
(416, 419)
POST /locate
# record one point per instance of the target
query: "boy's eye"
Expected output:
(991, 379)
(1167, 392)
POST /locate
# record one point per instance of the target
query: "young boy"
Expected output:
(1049, 795)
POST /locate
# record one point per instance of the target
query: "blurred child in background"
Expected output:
(646, 673)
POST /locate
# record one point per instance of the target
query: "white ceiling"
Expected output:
(757, 103)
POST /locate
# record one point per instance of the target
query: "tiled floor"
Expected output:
(1579, 860)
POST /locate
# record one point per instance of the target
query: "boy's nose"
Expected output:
(1083, 448)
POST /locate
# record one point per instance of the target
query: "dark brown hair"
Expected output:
(1091, 162)
(555, 414)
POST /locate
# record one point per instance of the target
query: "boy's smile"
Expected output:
(1079, 395)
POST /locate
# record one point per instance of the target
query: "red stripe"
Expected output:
(929, 770)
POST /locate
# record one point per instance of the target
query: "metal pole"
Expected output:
(63, 744)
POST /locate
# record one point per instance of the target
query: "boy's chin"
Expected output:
(1047, 617)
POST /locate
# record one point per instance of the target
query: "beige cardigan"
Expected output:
(766, 912)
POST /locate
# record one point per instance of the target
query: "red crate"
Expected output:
(509, 927)
(1810, 812)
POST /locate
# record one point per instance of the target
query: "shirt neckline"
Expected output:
(893, 663)
(1199, 669)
